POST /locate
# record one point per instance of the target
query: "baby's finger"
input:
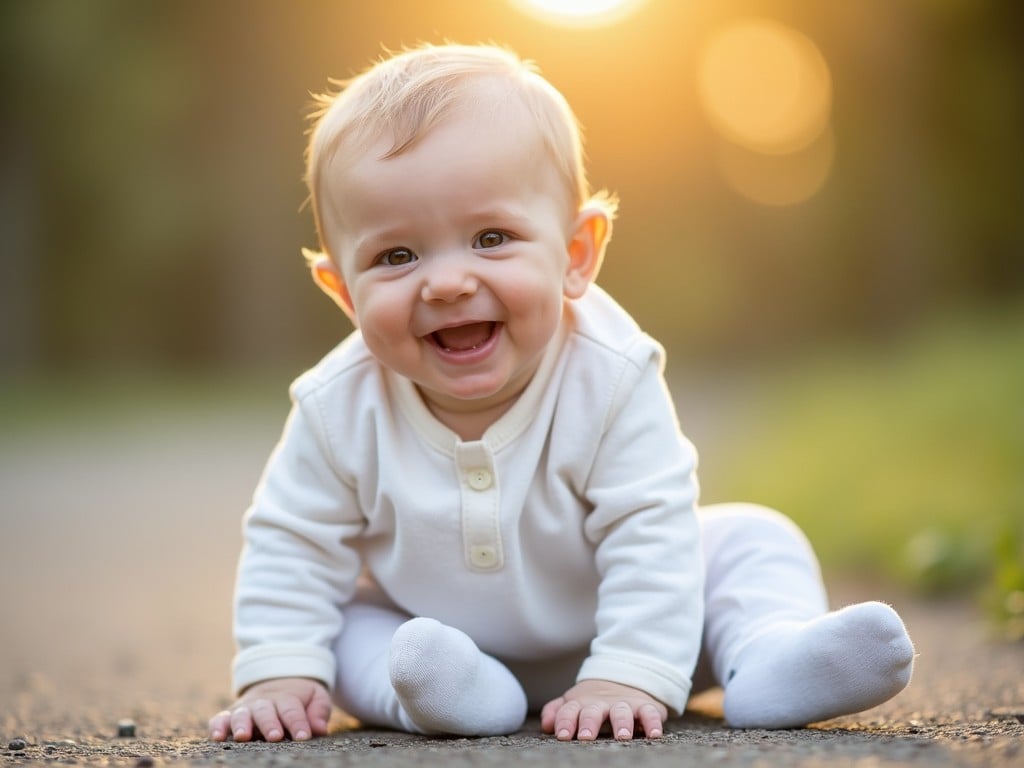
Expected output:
(547, 714)
(319, 713)
(650, 720)
(592, 717)
(241, 724)
(620, 717)
(220, 725)
(293, 715)
(566, 720)
(264, 716)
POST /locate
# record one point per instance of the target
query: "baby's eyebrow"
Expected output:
(375, 240)
(497, 215)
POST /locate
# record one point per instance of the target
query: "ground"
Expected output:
(116, 559)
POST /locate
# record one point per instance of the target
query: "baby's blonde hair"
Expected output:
(409, 93)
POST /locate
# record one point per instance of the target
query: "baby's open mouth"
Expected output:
(462, 338)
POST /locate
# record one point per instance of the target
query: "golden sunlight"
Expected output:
(765, 86)
(579, 12)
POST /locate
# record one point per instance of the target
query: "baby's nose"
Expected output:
(447, 281)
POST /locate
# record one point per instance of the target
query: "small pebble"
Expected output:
(16, 745)
(125, 729)
(145, 761)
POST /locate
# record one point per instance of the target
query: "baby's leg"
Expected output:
(783, 659)
(421, 676)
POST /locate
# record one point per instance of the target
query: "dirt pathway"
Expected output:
(116, 558)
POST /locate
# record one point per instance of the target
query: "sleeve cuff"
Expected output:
(266, 662)
(659, 680)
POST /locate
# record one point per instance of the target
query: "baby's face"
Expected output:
(454, 254)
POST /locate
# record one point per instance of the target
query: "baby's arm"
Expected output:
(297, 568)
(583, 709)
(293, 706)
(649, 614)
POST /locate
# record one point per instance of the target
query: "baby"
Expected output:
(482, 504)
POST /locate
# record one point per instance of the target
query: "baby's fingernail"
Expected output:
(655, 734)
(274, 734)
(585, 733)
(623, 733)
(301, 735)
(564, 733)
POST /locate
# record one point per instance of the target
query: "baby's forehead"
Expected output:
(485, 108)
(362, 130)
(476, 160)
(467, 134)
(483, 100)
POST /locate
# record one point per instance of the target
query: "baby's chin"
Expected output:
(467, 398)
(474, 395)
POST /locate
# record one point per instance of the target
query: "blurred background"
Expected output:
(822, 219)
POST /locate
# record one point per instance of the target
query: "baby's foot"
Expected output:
(446, 684)
(799, 673)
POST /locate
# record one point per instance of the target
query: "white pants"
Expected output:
(760, 569)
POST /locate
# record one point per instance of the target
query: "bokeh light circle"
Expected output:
(765, 86)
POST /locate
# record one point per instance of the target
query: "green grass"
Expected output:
(903, 460)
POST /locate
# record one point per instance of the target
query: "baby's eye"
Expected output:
(490, 239)
(397, 257)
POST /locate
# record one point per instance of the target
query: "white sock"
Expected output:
(446, 684)
(804, 672)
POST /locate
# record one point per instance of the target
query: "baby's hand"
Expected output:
(582, 710)
(295, 706)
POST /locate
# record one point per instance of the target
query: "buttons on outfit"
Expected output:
(481, 507)
(479, 479)
(483, 556)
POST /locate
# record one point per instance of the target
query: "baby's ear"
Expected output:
(592, 229)
(328, 277)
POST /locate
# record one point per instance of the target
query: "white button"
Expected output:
(479, 479)
(483, 556)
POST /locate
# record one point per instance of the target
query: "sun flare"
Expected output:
(765, 86)
(579, 12)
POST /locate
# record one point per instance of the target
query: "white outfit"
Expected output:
(565, 542)
(570, 523)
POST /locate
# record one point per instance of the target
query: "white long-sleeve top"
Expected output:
(569, 523)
